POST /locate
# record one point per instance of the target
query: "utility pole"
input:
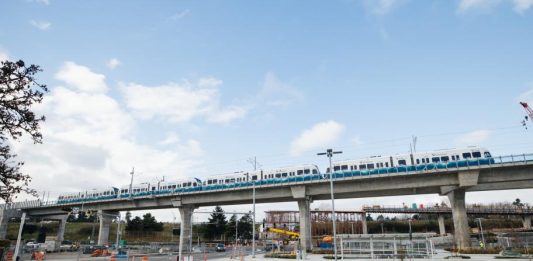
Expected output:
(329, 153)
(254, 164)
(131, 182)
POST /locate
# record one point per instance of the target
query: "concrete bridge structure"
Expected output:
(524, 213)
(451, 182)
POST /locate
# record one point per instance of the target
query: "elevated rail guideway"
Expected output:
(452, 179)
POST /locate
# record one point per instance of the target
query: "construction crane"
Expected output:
(529, 115)
(292, 235)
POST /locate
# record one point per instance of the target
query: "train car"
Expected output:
(291, 173)
(70, 197)
(101, 194)
(435, 159)
(142, 189)
(225, 180)
(188, 185)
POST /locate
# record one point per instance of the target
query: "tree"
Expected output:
(147, 223)
(18, 93)
(230, 228)
(245, 227)
(518, 203)
(216, 226)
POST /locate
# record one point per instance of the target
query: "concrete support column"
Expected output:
(105, 223)
(185, 229)
(4, 218)
(61, 229)
(442, 228)
(304, 207)
(526, 220)
(460, 221)
(363, 224)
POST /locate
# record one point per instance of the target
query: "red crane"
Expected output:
(528, 109)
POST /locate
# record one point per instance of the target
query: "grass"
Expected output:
(82, 232)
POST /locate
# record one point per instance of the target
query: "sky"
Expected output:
(195, 88)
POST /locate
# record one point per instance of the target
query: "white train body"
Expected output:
(438, 156)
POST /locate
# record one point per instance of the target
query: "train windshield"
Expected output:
(487, 154)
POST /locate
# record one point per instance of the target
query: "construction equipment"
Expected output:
(292, 235)
(529, 115)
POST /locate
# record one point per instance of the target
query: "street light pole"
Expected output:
(329, 153)
(481, 230)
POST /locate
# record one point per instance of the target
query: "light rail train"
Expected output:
(420, 161)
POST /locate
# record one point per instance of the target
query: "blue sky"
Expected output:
(191, 88)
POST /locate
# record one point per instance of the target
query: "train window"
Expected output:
(362, 167)
(194, 184)
(467, 155)
(487, 154)
(445, 158)
(315, 171)
(417, 161)
(173, 186)
(386, 164)
(209, 182)
(427, 160)
(402, 162)
(278, 175)
(307, 171)
(254, 177)
(284, 174)
(336, 168)
(476, 154)
(300, 172)
(232, 180)
(214, 181)
(344, 167)
(153, 188)
(453, 157)
(292, 173)
(370, 166)
(435, 159)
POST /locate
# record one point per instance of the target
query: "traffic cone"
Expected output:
(145, 258)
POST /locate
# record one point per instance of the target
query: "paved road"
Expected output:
(195, 256)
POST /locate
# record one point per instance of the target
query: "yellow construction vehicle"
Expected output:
(292, 235)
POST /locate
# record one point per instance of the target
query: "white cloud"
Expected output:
(473, 138)
(476, 5)
(180, 15)
(277, 93)
(44, 2)
(520, 6)
(181, 102)
(81, 78)
(3, 55)
(320, 135)
(41, 25)
(89, 141)
(113, 63)
(381, 7)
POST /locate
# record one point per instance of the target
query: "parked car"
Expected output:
(66, 245)
(220, 248)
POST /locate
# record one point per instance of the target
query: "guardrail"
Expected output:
(430, 167)
(472, 210)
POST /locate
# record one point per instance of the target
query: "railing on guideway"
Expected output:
(430, 167)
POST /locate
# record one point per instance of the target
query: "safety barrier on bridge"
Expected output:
(422, 168)
(444, 210)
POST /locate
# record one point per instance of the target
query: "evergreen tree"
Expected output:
(245, 227)
(230, 228)
(216, 226)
